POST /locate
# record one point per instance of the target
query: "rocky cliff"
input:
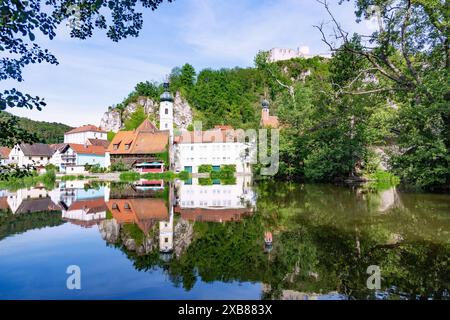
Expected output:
(114, 118)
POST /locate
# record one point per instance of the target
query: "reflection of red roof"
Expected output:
(86, 128)
(3, 203)
(213, 215)
(84, 224)
(90, 206)
(88, 149)
(142, 211)
(4, 152)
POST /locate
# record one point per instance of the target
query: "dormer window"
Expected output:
(127, 146)
(116, 146)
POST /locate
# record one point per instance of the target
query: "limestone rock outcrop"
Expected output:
(182, 236)
(109, 230)
(113, 119)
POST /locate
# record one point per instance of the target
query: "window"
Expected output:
(114, 206)
(116, 146)
(127, 146)
(167, 125)
(42, 158)
(166, 240)
(127, 206)
(166, 111)
(29, 158)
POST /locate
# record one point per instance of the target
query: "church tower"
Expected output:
(166, 111)
(265, 110)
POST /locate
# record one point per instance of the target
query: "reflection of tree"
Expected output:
(11, 224)
(325, 237)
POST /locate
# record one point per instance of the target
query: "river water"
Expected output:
(222, 240)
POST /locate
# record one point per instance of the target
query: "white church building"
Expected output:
(190, 149)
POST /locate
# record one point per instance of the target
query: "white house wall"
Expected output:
(195, 154)
(82, 137)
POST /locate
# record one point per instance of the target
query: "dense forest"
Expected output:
(46, 132)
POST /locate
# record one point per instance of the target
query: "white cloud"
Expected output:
(237, 30)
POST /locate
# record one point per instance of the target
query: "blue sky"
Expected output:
(96, 73)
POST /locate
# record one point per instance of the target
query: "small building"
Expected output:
(145, 149)
(215, 203)
(268, 121)
(281, 54)
(34, 155)
(85, 213)
(4, 155)
(82, 134)
(144, 212)
(74, 157)
(29, 200)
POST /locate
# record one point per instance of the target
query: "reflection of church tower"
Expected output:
(166, 234)
(166, 111)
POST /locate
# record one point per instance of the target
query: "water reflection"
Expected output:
(296, 241)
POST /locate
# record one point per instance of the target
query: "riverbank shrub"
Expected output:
(167, 176)
(118, 167)
(129, 176)
(30, 180)
(96, 168)
(205, 168)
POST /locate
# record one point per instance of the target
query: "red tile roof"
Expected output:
(98, 142)
(86, 128)
(88, 149)
(142, 211)
(90, 206)
(4, 152)
(146, 139)
(219, 134)
(271, 121)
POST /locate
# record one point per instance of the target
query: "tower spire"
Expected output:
(166, 110)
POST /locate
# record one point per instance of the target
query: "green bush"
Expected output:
(184, 175)
(51, 167)
(118, 167)
(205, 168)
(96, 168)
(168, 175)
(129, 176)
(228, 168)
(205, 181)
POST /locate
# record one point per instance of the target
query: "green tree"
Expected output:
(20, 20)
(409, 57)
(136, 118)
(187, 75)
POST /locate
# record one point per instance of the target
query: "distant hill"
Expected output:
(48, 132)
